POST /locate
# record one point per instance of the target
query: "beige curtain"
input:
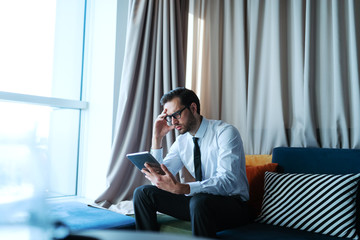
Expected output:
(153, 64)
(284, 72)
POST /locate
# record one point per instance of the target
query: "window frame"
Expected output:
(44, 101)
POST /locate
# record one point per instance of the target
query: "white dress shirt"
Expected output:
(222, 159)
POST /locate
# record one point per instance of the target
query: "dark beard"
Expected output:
(190, 125)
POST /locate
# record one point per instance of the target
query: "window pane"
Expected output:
(41, 47)
(42, 134)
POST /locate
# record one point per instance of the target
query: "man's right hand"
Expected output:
(161, 128)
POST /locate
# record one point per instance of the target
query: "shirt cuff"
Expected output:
(195, 187)
(157, 154)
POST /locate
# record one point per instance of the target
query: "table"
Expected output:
(129, 235)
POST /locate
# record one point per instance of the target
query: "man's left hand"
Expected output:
(165, 182)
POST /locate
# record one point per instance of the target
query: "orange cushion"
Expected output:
(258, 159)
(255, 176)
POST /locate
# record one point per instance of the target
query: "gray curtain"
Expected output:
(284, 72)
(153, 64)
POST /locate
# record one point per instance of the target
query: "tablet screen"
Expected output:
(140, 158)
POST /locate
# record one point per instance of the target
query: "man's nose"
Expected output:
(174, 121)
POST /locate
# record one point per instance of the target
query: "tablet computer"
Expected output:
(140, 158)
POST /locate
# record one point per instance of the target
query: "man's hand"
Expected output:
(161, 128)
(165, 182)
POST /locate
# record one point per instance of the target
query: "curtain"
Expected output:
(284, 72)
(153, 64)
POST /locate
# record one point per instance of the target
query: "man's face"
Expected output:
(186, 121)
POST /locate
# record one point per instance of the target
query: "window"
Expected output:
(41, 64)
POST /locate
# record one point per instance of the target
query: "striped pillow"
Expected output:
(320, 203)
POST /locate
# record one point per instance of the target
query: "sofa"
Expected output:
(268, 176)
(321, 172)
(302, 161)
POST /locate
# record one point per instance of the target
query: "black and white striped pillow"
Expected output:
(320, 203)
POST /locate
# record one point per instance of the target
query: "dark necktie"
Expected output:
(197, 160)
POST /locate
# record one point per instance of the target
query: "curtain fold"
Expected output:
(285, 73)
(153, 64)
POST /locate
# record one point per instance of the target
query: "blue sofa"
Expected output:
(300, 160)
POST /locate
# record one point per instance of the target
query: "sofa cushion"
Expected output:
(79, 216)
(255, 176)
(320, 203)
(170, 224)
(262, 231)
(258, 159)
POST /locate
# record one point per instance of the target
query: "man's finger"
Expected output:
(163, 114)
(150, 168)
(145, 171)
(165, 169)
(147, 166)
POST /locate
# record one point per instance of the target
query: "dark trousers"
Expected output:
(208, 213)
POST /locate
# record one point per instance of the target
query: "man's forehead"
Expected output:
(173, 105)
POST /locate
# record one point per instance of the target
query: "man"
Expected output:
(217, 199)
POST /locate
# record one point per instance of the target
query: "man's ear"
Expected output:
(193, 108)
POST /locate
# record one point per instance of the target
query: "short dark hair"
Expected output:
(187, 97)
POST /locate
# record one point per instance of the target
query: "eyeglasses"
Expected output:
(175, 115)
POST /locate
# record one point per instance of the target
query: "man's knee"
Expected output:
(142, 192)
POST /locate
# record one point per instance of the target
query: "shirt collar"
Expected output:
(202, 129)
